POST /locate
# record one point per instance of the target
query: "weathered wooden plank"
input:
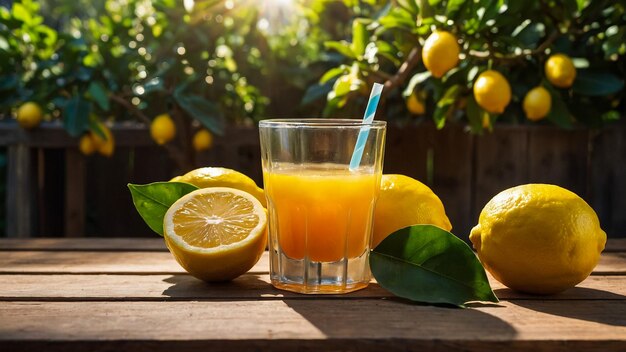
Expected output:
(136, 263)
(608, 172)
(314, 324)
(559, 157)
(407, 150)
(85, 244)
(55, 287)
(452, 151)
(85, 262)
(144, 244)
(501, 162)
(20, 196)
(74, 193)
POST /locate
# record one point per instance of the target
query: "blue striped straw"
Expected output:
(370, 111)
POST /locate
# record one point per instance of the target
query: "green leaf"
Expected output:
(153, 200)
(398, 18)
(425, 263)
(98, 93)
(317, 91)
(417, 79)
(475, 114)
(202, 110)
(453, 6)
(449, 96)
(9, 81)
(596, 83)
(76, 116)
(332, 73)
(360, 37)
(559, 114)
(342, 47)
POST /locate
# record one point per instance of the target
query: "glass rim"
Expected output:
(320, 123)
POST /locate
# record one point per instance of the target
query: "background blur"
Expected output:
(221, 66)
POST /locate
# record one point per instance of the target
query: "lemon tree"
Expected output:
(478, 61)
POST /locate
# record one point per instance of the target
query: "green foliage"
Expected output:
(203, 62)
(512, 37)
(213, 62)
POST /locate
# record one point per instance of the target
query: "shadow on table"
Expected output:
(597, 305)
(394, 319)
(244, 287)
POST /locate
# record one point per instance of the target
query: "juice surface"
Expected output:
(322, 211)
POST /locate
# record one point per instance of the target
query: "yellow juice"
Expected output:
(321, 211)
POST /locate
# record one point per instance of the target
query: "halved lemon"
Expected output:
(217, 233)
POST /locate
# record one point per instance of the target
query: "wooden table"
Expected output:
(129, 294)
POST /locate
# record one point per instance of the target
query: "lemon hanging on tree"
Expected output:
(29, 115)
(492, 91)
(86, 144)
(537, 103)
(560, 70)
(104, 145)
(202, 140)
(162, 129)
(415, 105)
(440, 53)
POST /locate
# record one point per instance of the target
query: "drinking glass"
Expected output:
(320, 210)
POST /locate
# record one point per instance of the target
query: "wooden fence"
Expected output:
(53, 190)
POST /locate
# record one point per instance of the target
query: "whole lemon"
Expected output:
(162, 129)
(537, 103)
(492, 91)
(440, 53)
(538, 238)
(202, 140)
(29, 115)
(415, 105)
(86, 144)
(402, 202)
(560, 70)
(222, 177)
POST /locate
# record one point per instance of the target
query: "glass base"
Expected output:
(309, 277)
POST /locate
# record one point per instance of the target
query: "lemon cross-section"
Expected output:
(216, 233)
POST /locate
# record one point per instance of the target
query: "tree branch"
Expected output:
(175, 153)
(404, 71)
(132, 108)
(515, 57)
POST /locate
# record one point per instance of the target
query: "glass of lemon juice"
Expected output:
(320, 209)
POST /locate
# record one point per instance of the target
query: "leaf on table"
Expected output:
(153, 200)
(425, 263)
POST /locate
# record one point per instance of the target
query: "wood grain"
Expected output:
(145, 263)
(137, 263)
(500, 162)
(608, 172)
(85, 244)
(250, 286)
(144, 244)
(347, 324)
